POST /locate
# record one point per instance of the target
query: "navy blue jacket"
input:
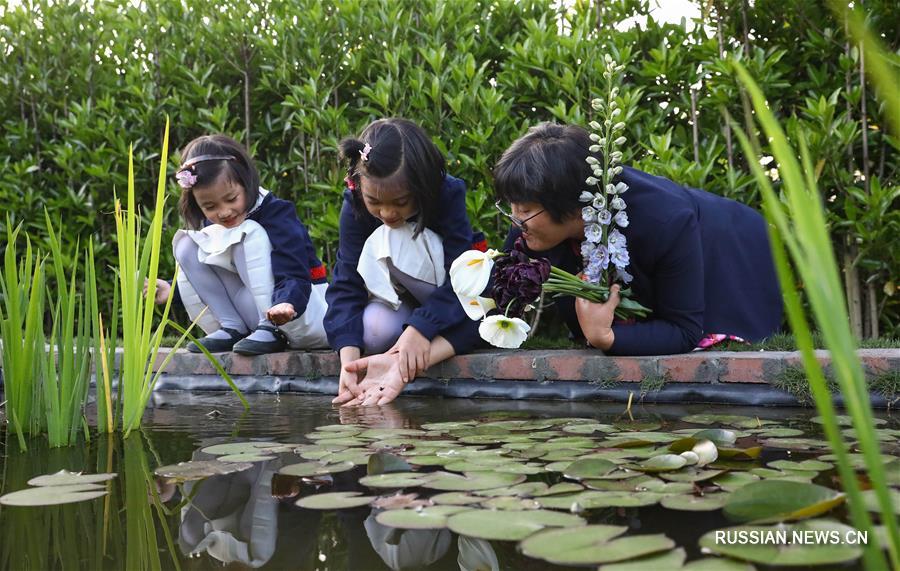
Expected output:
(701, 262)
(295, 264)
(441, 314)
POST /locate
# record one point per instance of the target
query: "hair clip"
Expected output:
(364, 153)
(203, 158)
(186, 179)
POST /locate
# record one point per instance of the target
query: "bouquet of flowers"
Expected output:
(517, 281)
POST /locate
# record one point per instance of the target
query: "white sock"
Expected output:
(219, 334)
(262, 335)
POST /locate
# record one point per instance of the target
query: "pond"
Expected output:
(521, 477)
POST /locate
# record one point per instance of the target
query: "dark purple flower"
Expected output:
(518, 280)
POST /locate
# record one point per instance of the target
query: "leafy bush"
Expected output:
(291, 78)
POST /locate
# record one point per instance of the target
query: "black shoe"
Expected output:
(248, 346)
(218, 345)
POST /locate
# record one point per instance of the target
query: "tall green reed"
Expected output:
(798, 228)
(22, 333)
(66, 374)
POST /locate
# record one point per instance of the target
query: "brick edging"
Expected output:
(547, 365)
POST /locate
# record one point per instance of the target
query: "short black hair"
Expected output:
(546, 165)
(239, 170)
(399, 148)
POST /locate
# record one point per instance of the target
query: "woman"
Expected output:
(700, 262)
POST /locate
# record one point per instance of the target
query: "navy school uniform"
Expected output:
(295, 265)
(441, 314)
(701, 262)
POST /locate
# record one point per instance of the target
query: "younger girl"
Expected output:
(402, 224)
(246, 256)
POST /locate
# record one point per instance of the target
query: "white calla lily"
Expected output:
(504, 332)
(471, 272)
(476, 308)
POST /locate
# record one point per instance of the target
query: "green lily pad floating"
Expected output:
(53, 495)
(794, 443)
(500, 526)
(773, 545)
(718, 564)
(626, 485)
(334, 501)
(793, 475)
(355, 456)
(591, 468)
(691, 475)
(719, 436)
(780, 500)
(591, 544)
(395, 480)
(669, 560)
(245, 457)
(705, 503)
(871, 500)
(525, 489)
(385, 462)
(455, 499)
(383, 433)
(636, 426)
(342, 428)
(66, 478)
(587, 428)
(560, 488)
(307, 469)
(734, 480)
(432, 517)
(200, 469)
(447, 426)
(808, 465)
(667, 488)
(591, 499)
(844, 420)
(731, 419)
(778, 432)
(508, 503)
(252, 447)
(506, 466)
(471, 481)
(662, 463)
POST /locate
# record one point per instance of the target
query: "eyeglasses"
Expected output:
(520, 224)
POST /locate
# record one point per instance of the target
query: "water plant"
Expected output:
(22, 333)
(798, 229)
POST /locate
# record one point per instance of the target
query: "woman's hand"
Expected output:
(281, 313)
(414, 352)
(382, 383)
(348, 385)
(596, 319)
(163, 291)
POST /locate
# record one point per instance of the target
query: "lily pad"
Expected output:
(590, 468)
(471, 481)
(591, 544)
(506, 466)
(509, 503)
(432, 517)
(691, 475)
(780, 500)
(718, 564)
(740, 453)
(499, 526)
(844, 420)
(778, 432)
(53, 495)
(587, 428)
(520, 490)
(708, 502)
(395, 480)
(591, 499)
(66, 478)
(200, 469)
(245, 457)
(669, 560)
(334, 501)
(306, 469)
(871, 500)
(560, 488)
(734, 480)
(401, 501)
(719, 436)
(455, 499)
(662, 463)
(769, 548)
(252, 447)
(731, 419)
(794, 443)
(385, 462)
(808, 465)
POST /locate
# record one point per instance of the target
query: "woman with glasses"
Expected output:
(700, 262)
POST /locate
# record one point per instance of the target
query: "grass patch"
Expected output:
(652, 384)
(786, 342)
(793, 380)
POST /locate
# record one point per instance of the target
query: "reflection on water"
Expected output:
(249, 519)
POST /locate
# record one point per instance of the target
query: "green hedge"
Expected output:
(80, 84)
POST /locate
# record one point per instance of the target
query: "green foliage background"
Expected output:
(80, 83)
